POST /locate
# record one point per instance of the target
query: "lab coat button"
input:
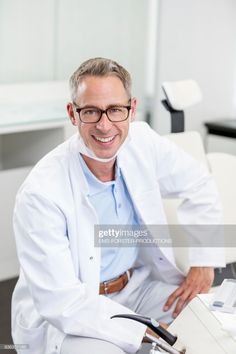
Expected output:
(91, 258)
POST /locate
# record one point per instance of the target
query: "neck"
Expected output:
(104, 171)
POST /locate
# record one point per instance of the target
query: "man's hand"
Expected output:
(198, 281)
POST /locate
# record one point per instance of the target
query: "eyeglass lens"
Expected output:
(115, 114)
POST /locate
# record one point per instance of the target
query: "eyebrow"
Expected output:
(109, 106)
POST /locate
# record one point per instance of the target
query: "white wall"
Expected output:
(26, 40)
(197, 40)
(46, 40)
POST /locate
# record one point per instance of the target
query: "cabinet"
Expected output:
(33, 120)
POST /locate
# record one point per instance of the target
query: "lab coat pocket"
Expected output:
(33, 339)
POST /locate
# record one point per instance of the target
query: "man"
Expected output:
(115, 171)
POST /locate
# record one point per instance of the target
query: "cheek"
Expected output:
(125, 129)
(84, 131)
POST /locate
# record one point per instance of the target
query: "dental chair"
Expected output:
(179, 96)
(223, 169)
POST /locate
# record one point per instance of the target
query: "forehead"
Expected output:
(99, 90)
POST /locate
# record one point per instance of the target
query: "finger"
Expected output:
(172, 298)
(188, 295)
(204, 289)
(182, 301)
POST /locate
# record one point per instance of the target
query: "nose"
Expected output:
(104, 123)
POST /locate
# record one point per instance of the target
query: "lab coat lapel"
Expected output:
(88, 255)
(143, 187)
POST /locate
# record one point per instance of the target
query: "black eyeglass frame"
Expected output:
(78, 110)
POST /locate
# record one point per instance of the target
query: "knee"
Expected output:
(109, 348)
(81, 345)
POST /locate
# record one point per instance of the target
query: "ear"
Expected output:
(71, 113)
(133, 109)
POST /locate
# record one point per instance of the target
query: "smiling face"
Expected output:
(104, 137)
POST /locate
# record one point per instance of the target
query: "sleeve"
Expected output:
(59, 296)
(200, 213)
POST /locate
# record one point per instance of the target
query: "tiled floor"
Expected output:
(6, 289)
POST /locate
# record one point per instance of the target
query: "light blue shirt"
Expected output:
(113, 205)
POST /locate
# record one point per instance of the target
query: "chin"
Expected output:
(105, 156)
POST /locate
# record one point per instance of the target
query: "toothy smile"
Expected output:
(104, 140)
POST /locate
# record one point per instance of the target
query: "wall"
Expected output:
(47, 40)
(196, 39)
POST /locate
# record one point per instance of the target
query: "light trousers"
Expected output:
(142, 295)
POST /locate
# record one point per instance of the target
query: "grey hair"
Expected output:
(99, 67)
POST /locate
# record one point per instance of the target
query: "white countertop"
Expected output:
(31, 106)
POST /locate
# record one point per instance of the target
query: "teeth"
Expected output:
(104, 140)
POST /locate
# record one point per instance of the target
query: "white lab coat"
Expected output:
(58, 289)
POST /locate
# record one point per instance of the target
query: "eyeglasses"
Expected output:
(93, 114)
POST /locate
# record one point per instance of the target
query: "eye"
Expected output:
(115, 109)
(89, 111)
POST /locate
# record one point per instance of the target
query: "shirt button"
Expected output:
(91, 258)
(160, 259)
